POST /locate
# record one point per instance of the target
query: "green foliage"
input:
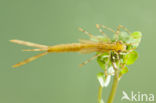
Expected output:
(124, 37)
(131, 40)
(136, 35)
(101, 101)
(103, 79)
(103, 60)
(122, 59)
(131, 57)
(115, 63)
(124, 70)
(135, 39)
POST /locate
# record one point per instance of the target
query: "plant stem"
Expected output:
(100, 94)
(114, 86)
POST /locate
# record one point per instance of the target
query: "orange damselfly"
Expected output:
(84, 46)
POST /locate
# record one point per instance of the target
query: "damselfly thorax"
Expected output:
(87, 47)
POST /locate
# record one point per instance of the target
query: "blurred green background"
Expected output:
(57, 78)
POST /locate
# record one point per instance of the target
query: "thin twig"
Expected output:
(100, 94)
(115, 84)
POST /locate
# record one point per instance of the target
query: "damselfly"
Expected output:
(84, 46)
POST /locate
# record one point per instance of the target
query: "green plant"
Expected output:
(116, 64)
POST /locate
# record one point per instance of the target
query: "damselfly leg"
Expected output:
(117, 32)
(92, 58)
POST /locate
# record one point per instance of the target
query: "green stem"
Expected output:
(114, 86)
(100, 94)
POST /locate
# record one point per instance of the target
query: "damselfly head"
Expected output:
(120, 46)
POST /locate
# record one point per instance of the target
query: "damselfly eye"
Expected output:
(119, 51)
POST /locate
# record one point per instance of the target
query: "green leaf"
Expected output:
(100, 77)
(124, 70)
(136, 35)
(124, 36)
(101, 101)
(111, 70)
(129, 47)
(103, 60)
(135, 39)
(103, 80)
(131, 57)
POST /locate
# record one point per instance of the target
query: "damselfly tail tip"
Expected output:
(26, 50)
(20, 64)
(15, 66)
(29, 59)
(29, 50)
(12, 40)
(80, 65)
